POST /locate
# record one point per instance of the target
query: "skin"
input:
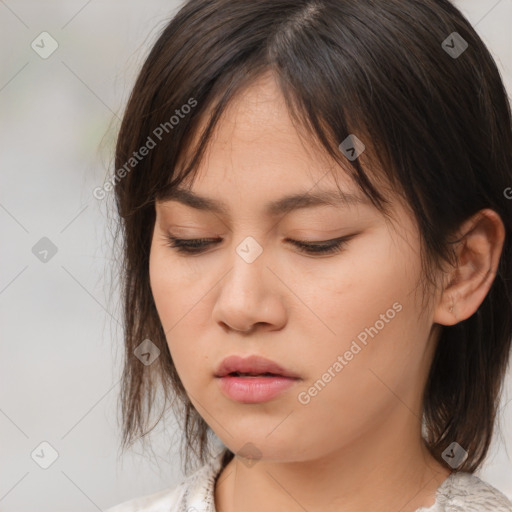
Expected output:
(357, 444)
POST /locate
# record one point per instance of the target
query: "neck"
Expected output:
(374, 472)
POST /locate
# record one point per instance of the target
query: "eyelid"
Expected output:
(198, 246)
(287, 239)
(328, 241)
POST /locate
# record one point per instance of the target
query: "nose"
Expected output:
(250, 296)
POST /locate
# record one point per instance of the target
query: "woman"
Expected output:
(317, 254)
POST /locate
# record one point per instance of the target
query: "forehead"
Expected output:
(277, 207)
(259, 161)
(255, 131)
(256, 149)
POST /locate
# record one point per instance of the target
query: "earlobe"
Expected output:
(478, 250)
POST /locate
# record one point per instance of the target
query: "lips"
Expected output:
(252, 366)
(253, 379)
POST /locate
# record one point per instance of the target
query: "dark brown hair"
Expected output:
(439, 126)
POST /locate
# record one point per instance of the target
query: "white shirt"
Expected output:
(460, 492)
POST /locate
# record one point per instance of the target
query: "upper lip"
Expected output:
(253, 364)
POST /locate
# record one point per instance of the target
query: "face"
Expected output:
(347, 323)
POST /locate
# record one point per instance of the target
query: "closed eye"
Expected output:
(199, 245)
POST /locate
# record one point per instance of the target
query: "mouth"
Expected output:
(253, 379)
(252, 366)
(240, 374)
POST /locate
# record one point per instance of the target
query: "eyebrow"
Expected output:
(274, 208)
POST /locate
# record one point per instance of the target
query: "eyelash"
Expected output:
(198, 245)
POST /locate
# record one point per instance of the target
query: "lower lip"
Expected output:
(253, 390)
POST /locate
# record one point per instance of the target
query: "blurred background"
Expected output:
(66, 71)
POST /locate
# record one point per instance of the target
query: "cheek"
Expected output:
(181, 311)
(162, 286)
(349, 292)
(175, 288)
(369, 316)
(358, 392)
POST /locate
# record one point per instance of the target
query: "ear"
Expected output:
(478, 248)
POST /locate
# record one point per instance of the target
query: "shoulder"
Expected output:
(198, 486)
(166, 500)
(466, 492)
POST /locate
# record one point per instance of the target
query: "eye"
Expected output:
(199, 245)
(325, 247)
(190, 246)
